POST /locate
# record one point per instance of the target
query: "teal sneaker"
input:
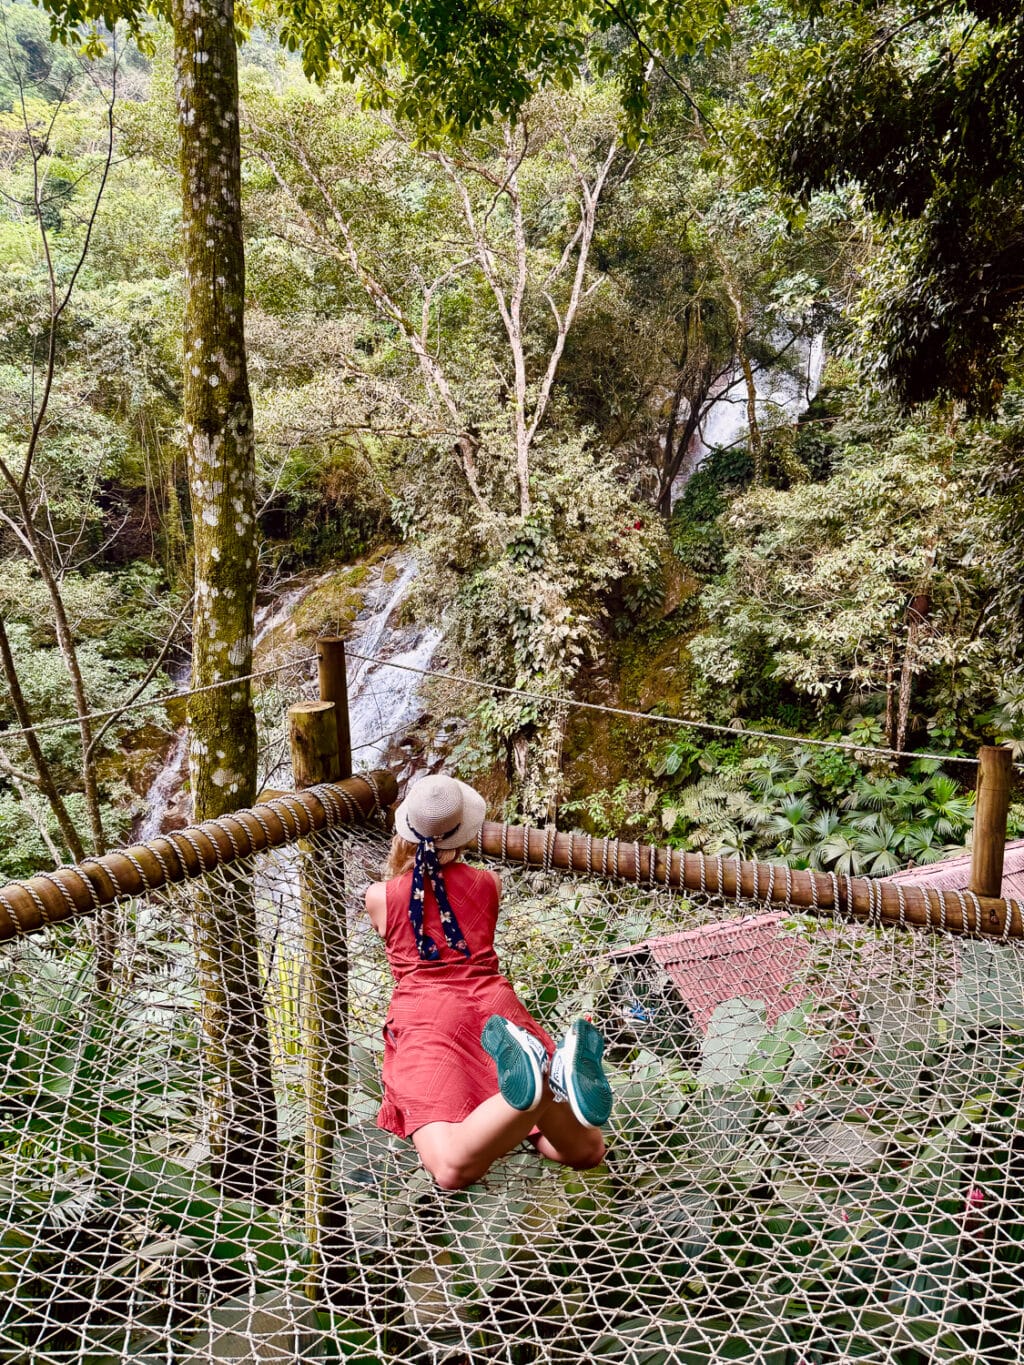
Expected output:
(576, 1075)
(521, 1060)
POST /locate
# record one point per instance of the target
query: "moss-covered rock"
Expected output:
(332, 604)
(646, 670)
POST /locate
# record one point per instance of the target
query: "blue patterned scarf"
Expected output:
(428, 864)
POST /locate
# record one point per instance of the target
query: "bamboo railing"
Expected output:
(71, 892)
(822, 893)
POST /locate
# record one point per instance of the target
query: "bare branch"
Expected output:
(57, 308)
(20, 781)
(151, 673)
(591, 195)
(381, 298)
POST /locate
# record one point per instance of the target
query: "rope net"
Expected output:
(814, 1151)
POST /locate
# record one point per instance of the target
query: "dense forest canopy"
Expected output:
(686, 395)
(921, 107)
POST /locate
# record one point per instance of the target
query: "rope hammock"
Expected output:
(815, 1151)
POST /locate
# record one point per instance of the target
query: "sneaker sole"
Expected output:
(519, 1076)
(586, 1087)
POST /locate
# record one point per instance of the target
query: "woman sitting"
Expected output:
(468, 1072)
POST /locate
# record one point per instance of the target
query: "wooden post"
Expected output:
(995, 771)
(313, 739)
(330, 650)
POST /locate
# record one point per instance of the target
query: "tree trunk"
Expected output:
(739, 312)
(46, 783)
(104, 931)
(217, 407)
(219, 443)
(696, 377)
(69, 653)
(917, 618)
(754, 431)
(890, 697)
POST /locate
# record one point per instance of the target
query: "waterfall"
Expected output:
(166, 787)
(277, 613)
(778, 390)
(383, 701)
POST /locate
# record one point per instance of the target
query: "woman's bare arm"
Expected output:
(377, 906)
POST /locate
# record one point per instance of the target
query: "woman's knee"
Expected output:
(589, 1151)
(451, 1175)
(449, 1172)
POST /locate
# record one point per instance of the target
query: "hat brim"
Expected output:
(474, 812)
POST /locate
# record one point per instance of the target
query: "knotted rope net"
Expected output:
(815, 1153)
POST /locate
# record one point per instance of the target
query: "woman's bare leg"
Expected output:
(458, 1154)
(564, 1139)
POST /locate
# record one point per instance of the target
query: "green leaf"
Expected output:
(735, 1030)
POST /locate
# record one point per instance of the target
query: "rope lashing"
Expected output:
(14, 921)
(189, 838)
(68, 898)
(67, 892)
(70, 892)
(835, 894)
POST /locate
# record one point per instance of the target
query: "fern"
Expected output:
(792, 806)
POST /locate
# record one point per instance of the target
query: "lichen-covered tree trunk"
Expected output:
(219, 442)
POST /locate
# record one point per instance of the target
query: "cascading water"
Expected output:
(383, 701)
(165, 789)
(384, 677)
(276, 614)
(779, 391)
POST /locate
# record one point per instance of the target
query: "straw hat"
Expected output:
(443, 809)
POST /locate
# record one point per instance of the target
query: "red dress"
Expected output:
(435, 1069)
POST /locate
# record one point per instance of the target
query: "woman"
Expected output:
(468, 1073)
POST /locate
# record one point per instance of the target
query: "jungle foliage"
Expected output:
(498, 297)
(919, 105)
(450, 343)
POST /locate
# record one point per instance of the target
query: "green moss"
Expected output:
(647, 671)
(333, 604)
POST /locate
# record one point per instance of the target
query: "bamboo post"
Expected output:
(995, 772)
(313, 737)
(333, 676)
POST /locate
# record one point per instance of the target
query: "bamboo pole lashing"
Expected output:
(871, 900)
(48, 898)
(91, 883)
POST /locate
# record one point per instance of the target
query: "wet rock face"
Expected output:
(367, 604)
